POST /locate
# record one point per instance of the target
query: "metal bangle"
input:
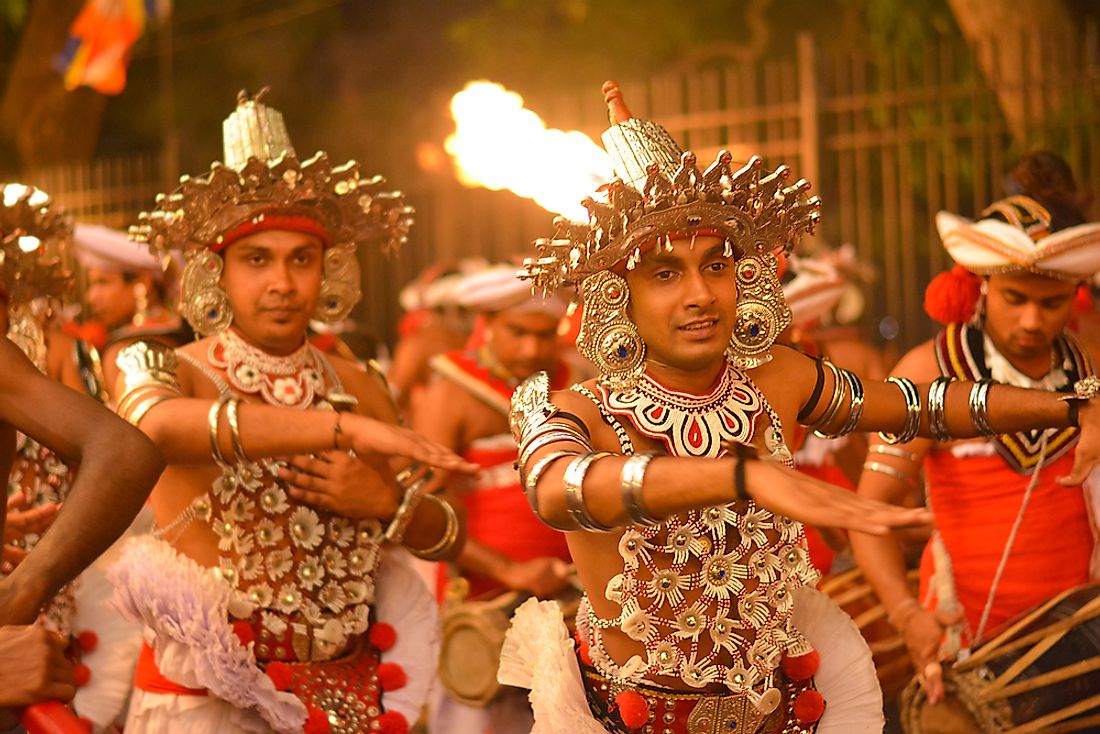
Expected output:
(212, 420)
(545, 438)
(979, 408)
(840, 389)
(912, 412)
(450, 533)
(531, 481)
(856, 410)
(888, 471)
(632, 479)
(855, 407)
(135, 415)
(574, 491)
(395, 531)
(937, 402)
(232, 418)
(893, 451)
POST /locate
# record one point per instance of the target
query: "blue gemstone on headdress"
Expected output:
(754, 330)
(212, 313)
(622, 352)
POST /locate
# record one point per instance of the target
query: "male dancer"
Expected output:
(699, 614)
(116, 462)
(128, 292)
(265, 596)
(507, 548)
(1008, 534)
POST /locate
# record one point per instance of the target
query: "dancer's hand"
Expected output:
(923, 633)
(344, 484)
(33, 667)
(1086, 455)
(22, 519)
(368, 436)
(542, 577)
(787, 492)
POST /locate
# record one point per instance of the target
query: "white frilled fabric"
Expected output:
(538, 655)
(185, 611)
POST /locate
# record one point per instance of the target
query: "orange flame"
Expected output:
(499, 144)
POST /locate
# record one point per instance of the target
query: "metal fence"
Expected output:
(886, 140)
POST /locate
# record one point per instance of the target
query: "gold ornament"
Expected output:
(762, 312)
(205, 303)
(608, 338)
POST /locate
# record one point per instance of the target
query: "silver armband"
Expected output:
(632, 478)
(574, 491)
(912, 412)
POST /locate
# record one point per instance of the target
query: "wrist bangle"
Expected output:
(395, 531)
(449, 537)
(907, 607)
(337, 431)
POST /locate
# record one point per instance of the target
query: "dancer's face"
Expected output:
(683, 302)
(273, 279)
(1025, 313)
(523, 342)
(111, 297)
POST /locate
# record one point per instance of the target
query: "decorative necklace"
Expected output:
(290, 381)
(687, 424)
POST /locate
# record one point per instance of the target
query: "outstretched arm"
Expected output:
(551, 470)
(118, 467)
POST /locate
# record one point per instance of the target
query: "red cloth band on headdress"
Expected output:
(269, 221)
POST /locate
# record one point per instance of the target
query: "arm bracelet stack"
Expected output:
(213, 417)
(633, 477)
(912, 412)
(979, 408)
(845, 379)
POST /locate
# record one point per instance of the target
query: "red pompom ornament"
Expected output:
(87, 640)
(83, 674)
(243, 631)
(383, 636)
(317, 722)
(809, 706)
(393, 722)
(280, 674)
(633, 709)
(952, 296)
(391, 676)
(1082, 301)
(801, 667)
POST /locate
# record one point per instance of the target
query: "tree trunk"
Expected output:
(45, 123)
(1008, 36)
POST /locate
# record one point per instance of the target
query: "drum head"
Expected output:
(470, 654)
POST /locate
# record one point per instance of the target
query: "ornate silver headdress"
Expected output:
(263, 180)
(660, 191)
(34, 236)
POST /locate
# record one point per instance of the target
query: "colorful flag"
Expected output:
(98, 47)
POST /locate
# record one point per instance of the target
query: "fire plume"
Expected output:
(500, 144)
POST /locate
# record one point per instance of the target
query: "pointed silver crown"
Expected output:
(254, 130)
(659, 191)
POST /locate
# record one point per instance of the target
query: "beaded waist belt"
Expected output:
(646, 709)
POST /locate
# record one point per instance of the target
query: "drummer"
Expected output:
(466, 410)
(1008, 534)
